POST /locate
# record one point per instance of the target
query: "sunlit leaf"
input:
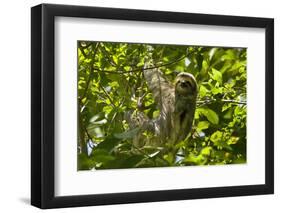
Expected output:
(203, 125)
(216, 75)
(210, 115)
(203, 91)
(206, 151)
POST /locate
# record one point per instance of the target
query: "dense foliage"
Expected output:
(111, 82)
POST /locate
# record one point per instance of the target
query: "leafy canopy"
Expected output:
(110, 83)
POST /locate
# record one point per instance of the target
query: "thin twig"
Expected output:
(234, 101)
(145, 154)
(113, 117)
(107, 95)
(210, 101)
(110, 60)
(91, 72)
(82, 51)
(88, 134)
(140, 69)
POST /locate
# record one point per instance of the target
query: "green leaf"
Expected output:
(108, 144)
(193, 159)
(226, 106)
(113, 84)
(98, 123)
(84, 162)
(203, 91)
(156, 114)
(228, 114)
(95, 130)
(131, 161)
(233, 140)
(205, 65)
(169, 158)
(206, 151)
(128, 134)
(202, 125)
(216, 75)
(101, 156)
(230, 55)
(216, 90)
(95, 117)
(210, 115)
(107, 109)
(216, 137)
(219, 141)
(115, 59)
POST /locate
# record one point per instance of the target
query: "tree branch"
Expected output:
(107, 95)
(210, 101)
(141, 68)
(234, 101)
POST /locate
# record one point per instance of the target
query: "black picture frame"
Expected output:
(43, 105)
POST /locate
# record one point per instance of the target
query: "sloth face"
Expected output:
(185, 84)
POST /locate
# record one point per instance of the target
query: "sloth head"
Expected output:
(185, 84)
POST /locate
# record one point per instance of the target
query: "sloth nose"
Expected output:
(185, 83)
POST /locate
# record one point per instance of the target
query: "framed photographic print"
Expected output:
(140, 106)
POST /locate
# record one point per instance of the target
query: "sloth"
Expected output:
(176, 102)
